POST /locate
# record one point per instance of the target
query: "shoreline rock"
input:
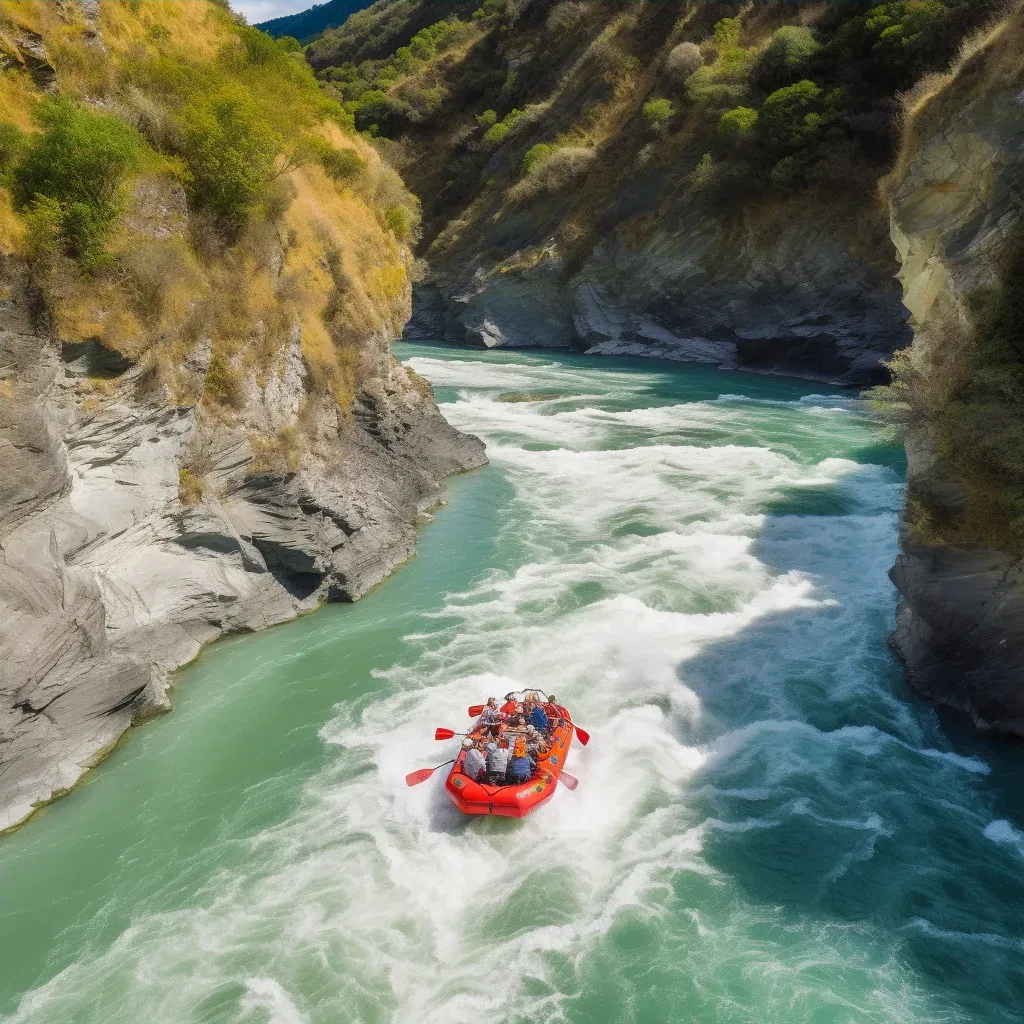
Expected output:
(109, 581)
(960, 622)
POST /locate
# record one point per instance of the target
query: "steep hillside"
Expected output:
(959, 391)
(304, 25)
(691, 179)
(201, 425)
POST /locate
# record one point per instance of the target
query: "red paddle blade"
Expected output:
(583, 735)
(476, 709)
(443, 734)
(567, 780)
(415, 778)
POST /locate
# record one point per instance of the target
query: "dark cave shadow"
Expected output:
(834, 793)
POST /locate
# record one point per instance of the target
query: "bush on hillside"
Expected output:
(535, 156)
(723, 81)
(738, 123)
(557, 171)
(381, 114)
(79, 162)
(12, 144)
(657, 114)
(901, 38)
(229, 150)
(498, 133)
(682, 62)
(790, 118)
(342, 164)
(786, 57)
(727, 33)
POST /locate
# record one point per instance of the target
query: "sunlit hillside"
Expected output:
(177, 183)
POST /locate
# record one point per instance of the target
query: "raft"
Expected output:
(518, 800)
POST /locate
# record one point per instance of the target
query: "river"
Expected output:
(768, 828)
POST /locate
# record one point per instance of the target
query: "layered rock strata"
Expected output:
(796, 301)
(132, 533)
(960, 623)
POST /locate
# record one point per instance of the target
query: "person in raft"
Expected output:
(474, 764)
(536, 716)
(497, 762)
(519, 768)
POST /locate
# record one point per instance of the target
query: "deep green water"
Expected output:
(768, 828)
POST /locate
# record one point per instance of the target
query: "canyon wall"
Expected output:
(956, 214)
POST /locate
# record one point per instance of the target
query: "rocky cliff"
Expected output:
(202, 431)
(680, 179)
(956, 222)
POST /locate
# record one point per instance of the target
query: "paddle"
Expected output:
(476, 709)
(415, 778)
(582, 733)
(447, 734)
(569, 781)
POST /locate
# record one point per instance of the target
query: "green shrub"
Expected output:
(657, 114)
(791, 117)
(487, 119)
(44, 242)
(498, 133)
(80, 162)
(289, 44)
(704, 174)
(342, 164)
(381, 114)
(738, 123)
(229, 150)
(727, 33)
(397, 220)
(902, 38)
(786, 57)
(536, 155)
(12, 144)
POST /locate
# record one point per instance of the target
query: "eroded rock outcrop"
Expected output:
(955, 209)
(697, 290)
(109, 580)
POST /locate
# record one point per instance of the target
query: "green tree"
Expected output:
(229, 150)
(791, 117)
(786, 57)
(381, 114)
(80, 162)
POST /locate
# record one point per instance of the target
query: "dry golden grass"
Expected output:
(990, 59)
(323, 264)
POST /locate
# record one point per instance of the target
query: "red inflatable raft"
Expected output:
(515, 801)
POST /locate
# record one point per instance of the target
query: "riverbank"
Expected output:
(113, 575)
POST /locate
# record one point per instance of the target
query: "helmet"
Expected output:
(492, 746)
(467, 743)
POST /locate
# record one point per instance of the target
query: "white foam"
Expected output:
(376, 901)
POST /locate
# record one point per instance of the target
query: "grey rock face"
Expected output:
(108, 582)
(960, 623)
(695, 289)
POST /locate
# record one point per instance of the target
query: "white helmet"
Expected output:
(467, 743)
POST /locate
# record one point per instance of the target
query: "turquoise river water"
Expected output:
(768, 827)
